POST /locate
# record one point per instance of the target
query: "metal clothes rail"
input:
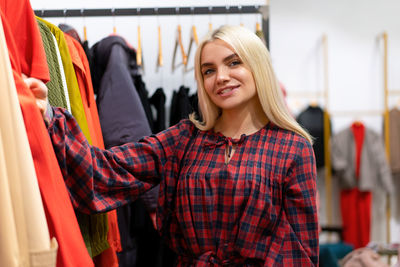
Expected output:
(165, 11)
(204, 10)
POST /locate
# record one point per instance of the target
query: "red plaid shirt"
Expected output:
(257, 210)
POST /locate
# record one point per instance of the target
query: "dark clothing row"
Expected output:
(312, 119)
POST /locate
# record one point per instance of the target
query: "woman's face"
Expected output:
(228, 82)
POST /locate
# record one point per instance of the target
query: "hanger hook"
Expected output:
(192, 11)
(65, 15)
(209, 18)
(227, 12)
(178, 13)
(240, 15)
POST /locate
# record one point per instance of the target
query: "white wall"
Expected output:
(355, 53)
(355, 63)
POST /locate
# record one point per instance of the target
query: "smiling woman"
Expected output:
(227, 81)
(232, 55)
(237, 188)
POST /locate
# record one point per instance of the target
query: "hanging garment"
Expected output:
(72, 83)
(112, 236)
(28, 42)
(121, 114)
(144, 98)
(374, 167)
(68, 29)
(56, 94)
(394, 137)
(82, 70)
(123, 120)
(10, 251)
(312, 119)
(157, 100)
(356, 209)
(62, 73)
(180, 106)
(25, 235)
(194, 102)
(355, 204)
(29, 58)
(95, 227)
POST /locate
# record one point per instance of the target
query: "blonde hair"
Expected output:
(253, 53)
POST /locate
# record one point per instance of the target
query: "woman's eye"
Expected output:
(235, 62)
(207, 71)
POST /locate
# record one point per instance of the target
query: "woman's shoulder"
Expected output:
(180, 131)
(185, 126)
(288, 139)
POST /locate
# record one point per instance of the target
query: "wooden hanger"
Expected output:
(178, 42)
(113, 21)
(240, 14)
(84, 33)
(160, 61)
(84, 26)
(258, 27)
(313, 103)
(193, 39)
(209, 19)
(259, 32)
(139, 54)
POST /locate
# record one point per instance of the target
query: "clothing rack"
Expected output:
(386, 125)
(203, 10)
(385, 114)
(164, 11)
(327, 135)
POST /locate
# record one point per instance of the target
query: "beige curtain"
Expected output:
(25, 239)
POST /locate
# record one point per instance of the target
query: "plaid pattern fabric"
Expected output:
(257, 210)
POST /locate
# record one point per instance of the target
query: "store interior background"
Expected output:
(355, 59)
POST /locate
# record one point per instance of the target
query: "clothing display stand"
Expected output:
(387, 94)
(386, 125)
(327, 135)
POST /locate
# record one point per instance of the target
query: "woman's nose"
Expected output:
(222, 75)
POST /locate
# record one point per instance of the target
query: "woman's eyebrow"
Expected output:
(228, 58)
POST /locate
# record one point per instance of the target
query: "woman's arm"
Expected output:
(302, 247)
(101, 180)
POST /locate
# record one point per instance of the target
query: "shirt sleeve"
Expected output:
(301, 245)
(100, 180)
